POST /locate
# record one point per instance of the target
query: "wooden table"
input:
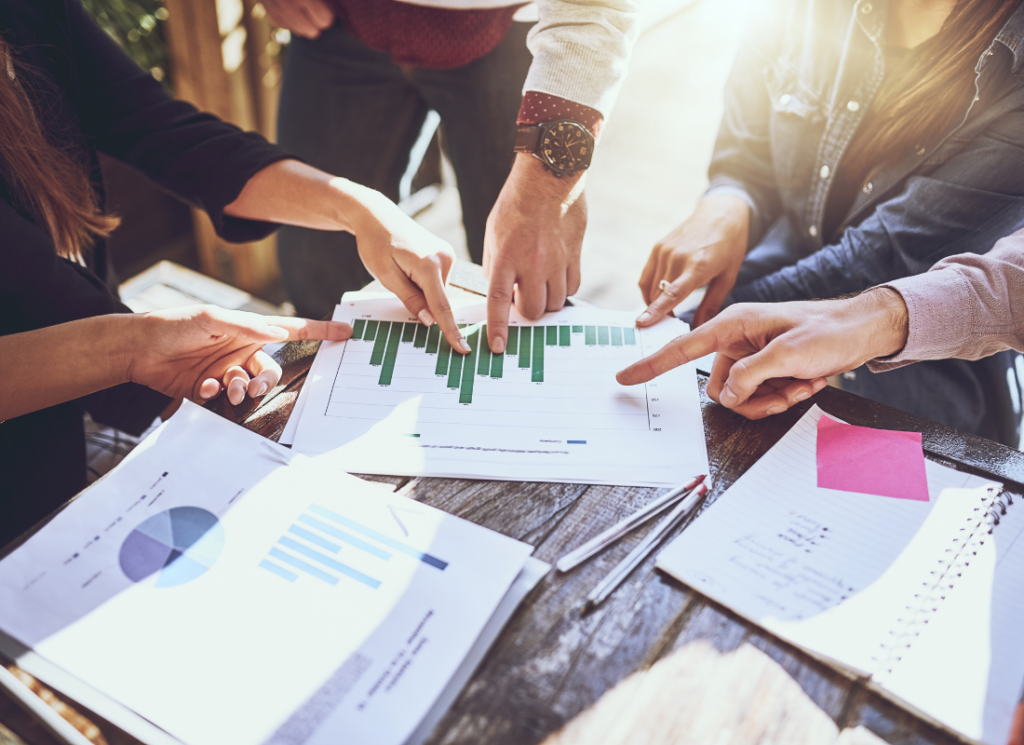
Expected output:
(657, 663)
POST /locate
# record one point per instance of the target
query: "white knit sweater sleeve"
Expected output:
(581, 49)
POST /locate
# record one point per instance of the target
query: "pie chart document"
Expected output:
(396, 399)
(218, 588)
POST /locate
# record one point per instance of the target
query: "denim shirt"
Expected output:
(802, 84)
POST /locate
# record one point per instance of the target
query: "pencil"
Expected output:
(618, 575)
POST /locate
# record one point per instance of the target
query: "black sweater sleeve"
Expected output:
(127, 114)
(40, 289)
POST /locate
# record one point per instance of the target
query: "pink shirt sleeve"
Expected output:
(967, 306)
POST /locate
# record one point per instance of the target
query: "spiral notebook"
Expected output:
(922, 599)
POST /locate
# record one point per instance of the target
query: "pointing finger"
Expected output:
(499, 303)
(679, 351)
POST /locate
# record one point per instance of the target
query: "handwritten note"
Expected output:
(871, 461)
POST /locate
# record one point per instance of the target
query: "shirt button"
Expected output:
(825, 172)
(785, 99)
(853, 106)
(866, 8)
(868, 187)
(813, 231)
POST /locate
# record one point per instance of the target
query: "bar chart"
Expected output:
(309, 548)
(525, 347)
(396, 398)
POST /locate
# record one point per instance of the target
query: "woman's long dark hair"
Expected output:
(917, 106)
(56, 186)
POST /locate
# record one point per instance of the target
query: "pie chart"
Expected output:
(180, 543)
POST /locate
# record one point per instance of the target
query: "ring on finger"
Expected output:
(663, 285)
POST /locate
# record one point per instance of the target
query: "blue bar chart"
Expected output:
(314, 545)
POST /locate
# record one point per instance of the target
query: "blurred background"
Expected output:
(226, 57)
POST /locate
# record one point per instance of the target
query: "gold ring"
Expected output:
(663, 285)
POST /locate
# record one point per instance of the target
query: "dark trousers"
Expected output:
(351, 111)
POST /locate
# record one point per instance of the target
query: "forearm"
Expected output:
(294, 193)
(52, 365)
(966, 307)
(853, 265)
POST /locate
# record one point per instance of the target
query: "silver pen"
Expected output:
(599, 542)
(616, 577)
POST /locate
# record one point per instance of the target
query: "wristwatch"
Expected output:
(564, 145)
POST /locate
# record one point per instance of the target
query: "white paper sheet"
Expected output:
(843, 574)
(311, 598)
(533, 572)
(564, 420)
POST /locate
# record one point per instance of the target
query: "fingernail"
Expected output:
(727, 397)
(264, 387)
(819, 384)
(777, 409)
(499, 346)
(464, 345)
(802, 395)
(236, 391)
(644, 317)
(425, 318)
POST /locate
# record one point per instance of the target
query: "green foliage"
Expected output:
(137, 26)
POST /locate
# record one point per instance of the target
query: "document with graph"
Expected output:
(395, 399)
(228, 591)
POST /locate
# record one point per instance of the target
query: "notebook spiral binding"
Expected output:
(975, 533)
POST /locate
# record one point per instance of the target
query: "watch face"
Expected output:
(566, 146)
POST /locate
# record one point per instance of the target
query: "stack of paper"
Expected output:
(217, 588)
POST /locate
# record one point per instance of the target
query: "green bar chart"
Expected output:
(527, 345)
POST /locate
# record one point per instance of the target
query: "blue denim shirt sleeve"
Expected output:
(742, 159)
(965, 205)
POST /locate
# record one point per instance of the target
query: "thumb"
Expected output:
(779, 359)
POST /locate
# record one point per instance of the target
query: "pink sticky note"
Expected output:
(871, 461)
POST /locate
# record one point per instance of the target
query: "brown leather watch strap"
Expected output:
(527, 138)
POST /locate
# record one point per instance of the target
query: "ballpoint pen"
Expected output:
(599, 542)
(615, 578)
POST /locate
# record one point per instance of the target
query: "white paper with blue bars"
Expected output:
(230, 591)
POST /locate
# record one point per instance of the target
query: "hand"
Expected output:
(532, 245)
(198, 351)
(406, 258)
(410, 261)
(303, 17)
(762, 347)
(707, 249)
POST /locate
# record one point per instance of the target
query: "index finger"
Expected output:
(499, 302)
(440, 307)
(679, 351)
(302, 329)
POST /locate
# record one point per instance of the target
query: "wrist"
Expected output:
(887, 321)
(728, 211)
(529, 173)
(129, 356)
